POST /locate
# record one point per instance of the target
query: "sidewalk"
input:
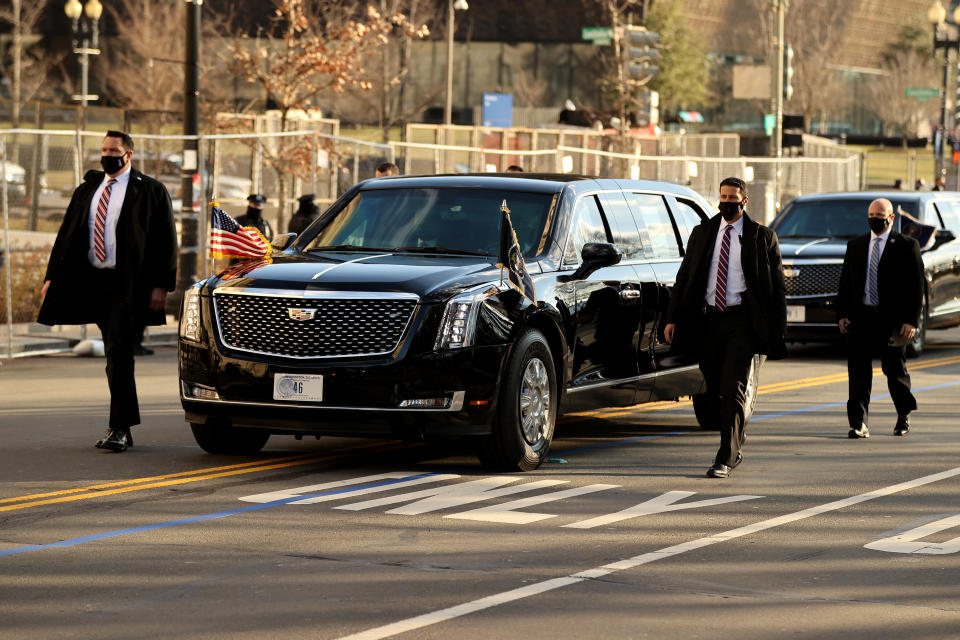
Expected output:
(32, 339)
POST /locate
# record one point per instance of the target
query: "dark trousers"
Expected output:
(867, 339)
(117, 328)
(728, 349)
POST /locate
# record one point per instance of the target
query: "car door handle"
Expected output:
(630, 294)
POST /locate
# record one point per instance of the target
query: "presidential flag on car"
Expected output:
(229, 240)
(510, 257)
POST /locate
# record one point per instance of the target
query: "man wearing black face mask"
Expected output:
(878, 305)
(113, 262)
(254, 216)
(729, 303)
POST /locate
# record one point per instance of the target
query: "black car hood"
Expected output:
(813, 248)
(428, 276)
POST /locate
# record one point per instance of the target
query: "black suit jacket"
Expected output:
(765, 295)
(899, 280)
(146, 253)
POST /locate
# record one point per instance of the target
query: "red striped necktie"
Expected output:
(100, 226)
(720, 299)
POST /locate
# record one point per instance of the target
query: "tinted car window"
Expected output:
(463, 219)
(834, 218)
(625, 233)
(656, 228)
(950, 213)
(588, 226)
(688, 216)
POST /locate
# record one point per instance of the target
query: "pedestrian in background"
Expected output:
(728, 304)
(113, 262)
(253, 217)
(940, 184)
(878, 305)
(385, 169)
(306, 212)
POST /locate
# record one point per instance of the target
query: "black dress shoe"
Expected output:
(862, 432)
(115, 440)
(140, 350)
(903, 426)
(719, 471)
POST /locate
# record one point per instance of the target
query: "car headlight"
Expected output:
(459, 322)
(190, 315)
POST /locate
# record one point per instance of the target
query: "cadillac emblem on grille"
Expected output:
(301, 315)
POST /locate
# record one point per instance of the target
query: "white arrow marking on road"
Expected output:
(906, 542)
(660, 504)
(319, 488)
(451, 496)
(507, 512)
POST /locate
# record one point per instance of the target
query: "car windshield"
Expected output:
(451, 220)
(832, 218)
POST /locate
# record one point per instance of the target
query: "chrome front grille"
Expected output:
(313, 327)
(812, 279)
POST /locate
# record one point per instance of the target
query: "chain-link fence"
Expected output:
(41, 168)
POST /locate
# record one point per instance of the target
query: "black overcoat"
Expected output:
(146, 253)
(899, 280)
(765, 295)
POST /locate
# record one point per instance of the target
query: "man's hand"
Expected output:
(158, 299)
(43, 289)
(843, 323)
(668, 332)
(908, 331)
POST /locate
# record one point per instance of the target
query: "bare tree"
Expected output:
(887, 92)
(26, 59)
(309, 47)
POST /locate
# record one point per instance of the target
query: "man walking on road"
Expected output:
(878, 305)
(113, 262)
(728, 304)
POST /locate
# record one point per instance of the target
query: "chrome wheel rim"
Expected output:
(534, 401)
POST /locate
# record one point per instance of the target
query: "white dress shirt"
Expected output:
(117, 194)
(883, 243)
(736, 284)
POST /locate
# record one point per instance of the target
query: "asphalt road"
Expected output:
(619, 535)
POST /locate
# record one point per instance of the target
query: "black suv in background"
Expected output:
(814, 230)
(388, 316)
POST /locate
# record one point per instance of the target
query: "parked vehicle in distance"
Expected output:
(814, 230)
(389, 317)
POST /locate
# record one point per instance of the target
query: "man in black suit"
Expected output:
(878, 306)
(113, 262)
(727, 304)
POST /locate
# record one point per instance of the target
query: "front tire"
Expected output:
(217, 438)
(527, 409)
(705, 406)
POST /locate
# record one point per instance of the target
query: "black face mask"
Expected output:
(730, 210)
(877, 225)
(253, 212)
(113, 164)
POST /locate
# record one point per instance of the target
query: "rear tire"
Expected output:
(526, 409)
(217, 438)
(705, 405)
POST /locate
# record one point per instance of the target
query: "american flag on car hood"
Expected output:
(229, 240)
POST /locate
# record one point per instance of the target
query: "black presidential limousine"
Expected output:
(388, 316)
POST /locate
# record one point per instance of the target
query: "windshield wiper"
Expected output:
(347, 247)
(449, 250)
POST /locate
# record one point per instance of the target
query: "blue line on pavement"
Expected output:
(72, 542)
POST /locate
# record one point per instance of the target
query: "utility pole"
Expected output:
(780, 7)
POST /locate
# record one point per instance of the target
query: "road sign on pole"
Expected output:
(922, 93)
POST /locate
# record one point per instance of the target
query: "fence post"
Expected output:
(4, 203)
(313, 161)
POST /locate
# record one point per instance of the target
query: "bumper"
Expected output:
(359, 398)
(819, 320)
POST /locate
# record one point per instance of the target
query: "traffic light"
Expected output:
(788, 72)
(641, 55)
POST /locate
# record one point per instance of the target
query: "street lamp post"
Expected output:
(937, 15)
(452, 6)
(85, 26)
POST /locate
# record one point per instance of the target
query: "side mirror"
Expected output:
(943, 236)
(596, 255)
(282, 240)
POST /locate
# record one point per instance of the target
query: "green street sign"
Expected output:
(597, 33)
(922, 93)
(769, 122)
